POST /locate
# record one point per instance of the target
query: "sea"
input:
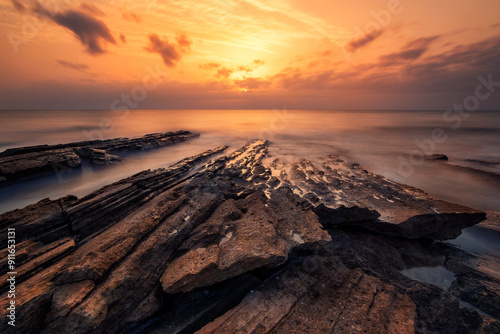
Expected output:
(388, 143)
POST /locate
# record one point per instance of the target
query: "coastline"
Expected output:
(258, 228)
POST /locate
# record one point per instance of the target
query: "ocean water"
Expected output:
(390, 143)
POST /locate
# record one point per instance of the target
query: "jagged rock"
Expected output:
(36, 222)
(43, 258)
(101, 157)
(237, 245)
(324, 298)
(242, 235)
(351, 195)
(45, 221)
(34, 161)
(435, 157)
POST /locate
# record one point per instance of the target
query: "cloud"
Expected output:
(169, 52)
(92, 9)
(210, 66)
(74, 66)
(252, 83)
(244, 69)
(411, 54)
(361, 42)
(183, 42)
(412, 51)
(19, 6)
(435, 81)
(94, 34)
(452, 74)
(224, 72)
(132, 17)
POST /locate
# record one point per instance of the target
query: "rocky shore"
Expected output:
(34, 161)
(246, 242)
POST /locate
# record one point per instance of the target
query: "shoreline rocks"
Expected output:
(34, 161)
(436, 157)
(245, 244)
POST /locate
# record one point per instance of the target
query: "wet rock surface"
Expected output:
(34, 161)
(348, 194)
(438, 156)
(492, 221)
(247, 243)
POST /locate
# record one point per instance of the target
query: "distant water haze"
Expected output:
(383, 142)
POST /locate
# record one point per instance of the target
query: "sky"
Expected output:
(249, 54)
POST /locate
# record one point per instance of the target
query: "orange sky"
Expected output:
(314, 54)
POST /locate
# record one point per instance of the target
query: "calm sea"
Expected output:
(390, 143)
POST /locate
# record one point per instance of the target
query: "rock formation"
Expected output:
(435, 157)
(33, 161)
(246, 243)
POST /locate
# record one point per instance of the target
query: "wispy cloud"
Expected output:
(93, 33)
(361, 42)
(412, 51)
(226, 72)
(209, 66)
(74, 66)
(92, 9)
(171, 53)
(19, 6)
(132, 17)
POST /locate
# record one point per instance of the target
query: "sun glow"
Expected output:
(213, 49)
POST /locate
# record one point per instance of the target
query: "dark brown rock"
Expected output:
(34, 161)
(435, 157)
(321, 297)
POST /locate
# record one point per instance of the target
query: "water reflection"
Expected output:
(438, 276)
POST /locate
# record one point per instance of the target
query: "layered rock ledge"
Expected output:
(34, 161)
(246, 243)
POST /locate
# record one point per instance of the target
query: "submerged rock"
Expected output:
(239, 245)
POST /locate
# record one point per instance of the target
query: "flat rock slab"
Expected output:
(34, 161)
(242, 235)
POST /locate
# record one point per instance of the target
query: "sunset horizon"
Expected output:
(385, 55)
